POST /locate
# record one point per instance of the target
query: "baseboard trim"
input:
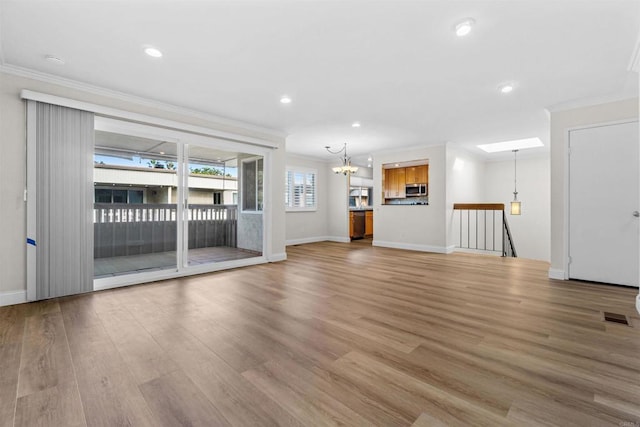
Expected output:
(306, 240)
(556, 273)
(278, 257)
(338, 239)
(13, 297)
(317, 239)
(450, 249)
(412, 247)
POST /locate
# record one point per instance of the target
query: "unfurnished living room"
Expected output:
(306, 212)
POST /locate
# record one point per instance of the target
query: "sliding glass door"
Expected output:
(167, 203)
(214, 220)
(135, 204)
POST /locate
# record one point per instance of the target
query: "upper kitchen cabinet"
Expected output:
(394, 183)
(406, 183)
(417, 174)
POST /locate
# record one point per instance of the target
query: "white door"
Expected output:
(603, 204)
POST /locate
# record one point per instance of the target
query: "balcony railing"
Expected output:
(122, 229)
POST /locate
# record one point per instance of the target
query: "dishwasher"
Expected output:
(358, 225)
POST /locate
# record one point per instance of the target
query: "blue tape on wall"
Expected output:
(31, 242)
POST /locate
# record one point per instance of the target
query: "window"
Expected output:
(108, 195)
(300, 189)
(252, 185)
(217, 197)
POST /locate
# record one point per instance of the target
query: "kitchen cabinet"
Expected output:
(394, 183)
(417, 174)
(368, 223)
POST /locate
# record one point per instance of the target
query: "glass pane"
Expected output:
(119, 196)
(213, 217)
(135, 229)
(249, 186)
(260, 180)
(136, 196)
(102, 195)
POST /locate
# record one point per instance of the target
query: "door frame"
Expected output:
(567, 188)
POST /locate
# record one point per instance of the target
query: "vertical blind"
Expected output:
(64, 141)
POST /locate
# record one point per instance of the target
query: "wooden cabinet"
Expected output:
(394, 183)
(368, 224)
(417, 174)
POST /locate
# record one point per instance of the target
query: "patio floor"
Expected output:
(114, 266)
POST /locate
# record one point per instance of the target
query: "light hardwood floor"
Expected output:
(338, 334)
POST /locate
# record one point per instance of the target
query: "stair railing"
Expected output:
(484, 227)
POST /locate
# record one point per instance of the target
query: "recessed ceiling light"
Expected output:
(162, 152)
(153, 52)
(370, 159)
(517, 144)
(464, 27)
(54, 60)
(285, 99)
(506, 88)
(356, 124)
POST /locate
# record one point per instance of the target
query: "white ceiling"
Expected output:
(395, 66)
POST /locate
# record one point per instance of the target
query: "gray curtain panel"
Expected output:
(64, 236)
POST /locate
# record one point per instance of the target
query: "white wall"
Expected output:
(531, 231)
(309, 226)
(465, 184)
(338, 206)
(561, 122)
(412, 227)
(13, 169)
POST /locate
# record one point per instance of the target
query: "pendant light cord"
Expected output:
(515, 174)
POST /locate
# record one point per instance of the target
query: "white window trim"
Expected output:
(297, 169)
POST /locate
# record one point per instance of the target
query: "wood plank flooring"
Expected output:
(340, 334)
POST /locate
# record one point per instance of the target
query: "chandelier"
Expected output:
(346, 168)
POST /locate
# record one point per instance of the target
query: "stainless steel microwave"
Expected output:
(415, 190)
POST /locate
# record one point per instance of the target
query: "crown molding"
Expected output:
(145, 102)
(589, 102)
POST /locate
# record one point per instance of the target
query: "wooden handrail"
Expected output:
(479, 206)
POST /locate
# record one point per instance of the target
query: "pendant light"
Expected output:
(515, 205)
(346, 168)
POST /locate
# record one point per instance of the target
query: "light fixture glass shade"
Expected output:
(347, 169)
(515, 208)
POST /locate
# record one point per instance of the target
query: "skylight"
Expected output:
(517, 144)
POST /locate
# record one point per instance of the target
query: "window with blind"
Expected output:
(300, 190)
